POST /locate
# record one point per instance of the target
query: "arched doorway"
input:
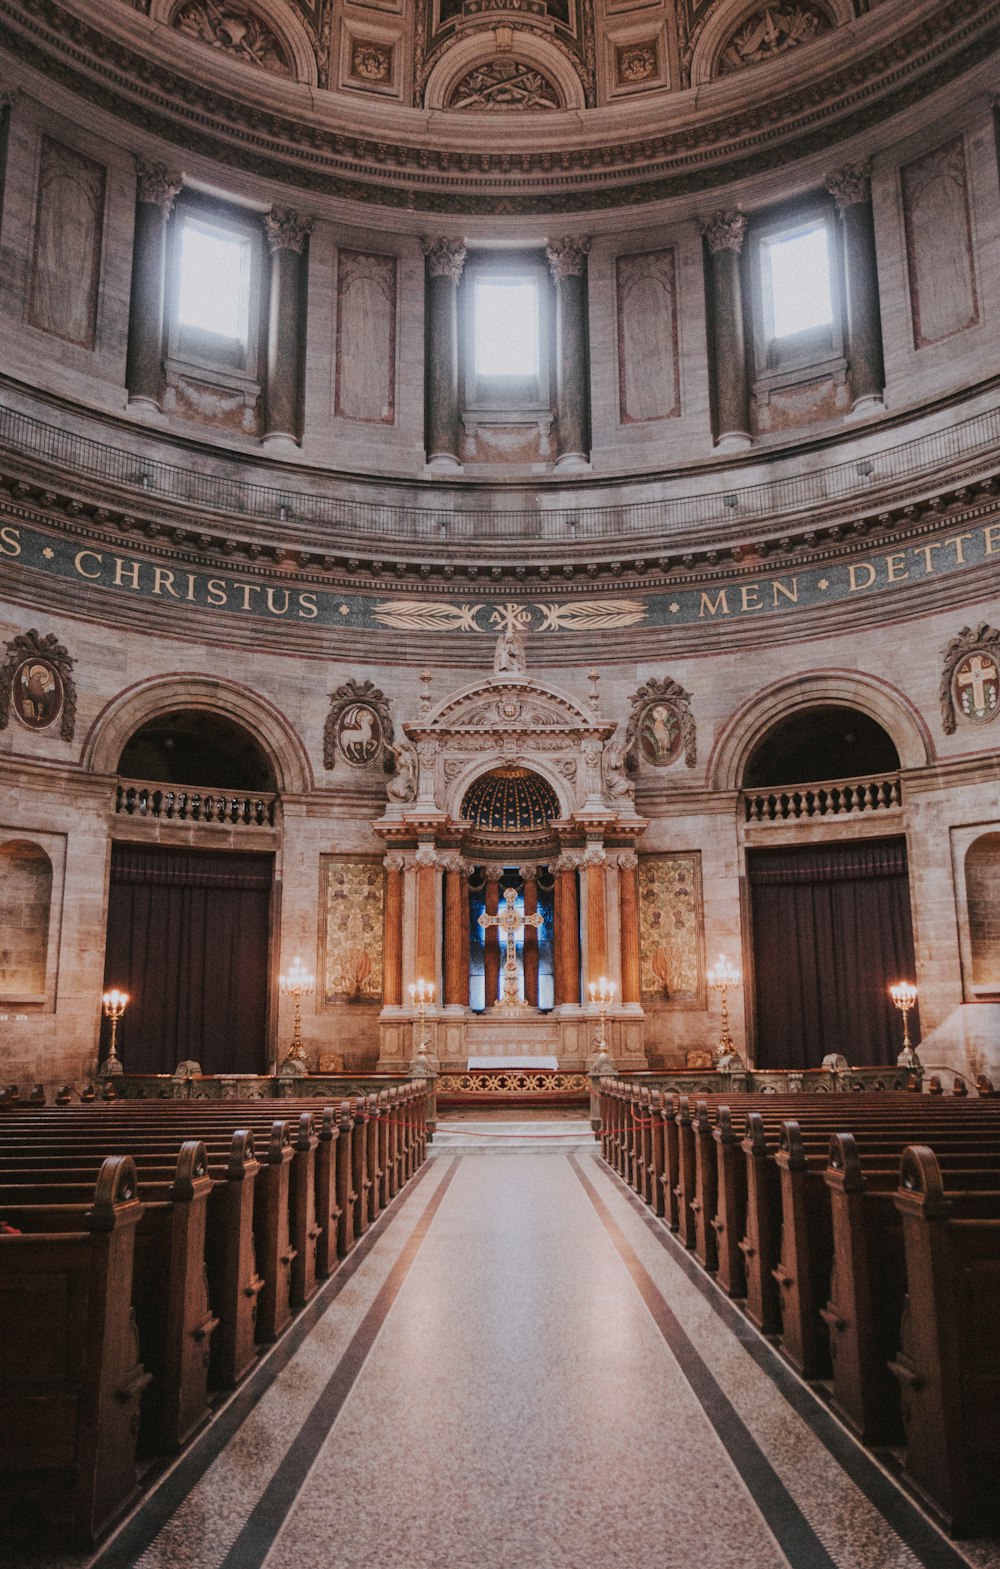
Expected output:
(191, 893)
(830, 905)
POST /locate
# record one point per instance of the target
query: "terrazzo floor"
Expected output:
(520, 1369)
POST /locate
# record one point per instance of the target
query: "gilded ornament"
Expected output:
(970, 680)
(35, 682)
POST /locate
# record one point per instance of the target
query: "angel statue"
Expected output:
(616, 780)
(402, 785)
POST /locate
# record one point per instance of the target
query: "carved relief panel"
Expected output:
(69, 230)
(670, 930)
(365, 371)
(648, 358)
(944, 295)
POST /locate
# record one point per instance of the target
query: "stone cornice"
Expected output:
(879, 77)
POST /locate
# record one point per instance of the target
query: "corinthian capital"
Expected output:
(394, 862)
(568, 256)
(285, 230)
(445, 258)
(628, 860)
(724, 231)
(157, 186)
(850, 185)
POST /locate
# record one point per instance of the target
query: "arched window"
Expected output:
(822, 743)
(196, 747)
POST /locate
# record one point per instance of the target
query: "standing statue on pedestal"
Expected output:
(509, 657)
(617, 784)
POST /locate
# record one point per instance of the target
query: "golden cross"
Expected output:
(509, 923)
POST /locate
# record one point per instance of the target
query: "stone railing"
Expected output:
(182, 804)
(319, 505)
(832, 798)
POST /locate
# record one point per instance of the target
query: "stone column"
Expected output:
(491, 964)
(445, 261)
(594, 860)
(156, 192)
(286, 238)
(850, 188)
(628, 902)
(530, 950)
(392, 925)
(427, 922)
(568, 261)
(456, 926)
(723, 234)
(567, 932)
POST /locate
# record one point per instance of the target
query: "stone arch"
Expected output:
(290, 32)
(726, 20)
(480, 48)
(982, 893)
(812, 689)
(162, 695)
(26, 880)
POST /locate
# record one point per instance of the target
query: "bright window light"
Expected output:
(506, 327)
(213, 292)
(798, 267)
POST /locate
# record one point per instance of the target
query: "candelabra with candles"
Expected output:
(602, 995)
(422, 993)
(904, 995)
(724, 978)
(296, 983)
(114, 1004)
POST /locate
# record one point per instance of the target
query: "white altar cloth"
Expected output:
(513, 1062)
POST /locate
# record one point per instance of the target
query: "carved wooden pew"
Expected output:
(948, 1365)
(70, 1375)
(169, 1283)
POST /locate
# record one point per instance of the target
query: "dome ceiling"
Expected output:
(589, 104)
(509, 800)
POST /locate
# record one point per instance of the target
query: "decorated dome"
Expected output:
(508, 799)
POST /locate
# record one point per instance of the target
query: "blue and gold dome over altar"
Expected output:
(508, 799)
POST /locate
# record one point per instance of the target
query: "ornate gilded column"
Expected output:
(445, 261)
(530, 951)
(286, 237)
(594, 859)
(567, 932)
(392, 926)
(491, 965)
(850, 188)
(156, 192)
(456, 926)
(724, 233)
(568, 262)
(628, 903)
(428, 946)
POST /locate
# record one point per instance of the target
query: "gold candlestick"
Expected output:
(296, 982)
(421, 993)
(114, 1003)
(723, 978)
(904, 995)
(602, 995)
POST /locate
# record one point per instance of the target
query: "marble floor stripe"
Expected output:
(905, 1519)
(796, 1537)
(257, 1536)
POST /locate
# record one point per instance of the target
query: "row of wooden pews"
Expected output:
(147, 1251)
(863, 1232)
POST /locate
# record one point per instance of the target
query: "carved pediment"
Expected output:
(513, 703)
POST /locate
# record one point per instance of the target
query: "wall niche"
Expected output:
(25, 909)
(982, 886)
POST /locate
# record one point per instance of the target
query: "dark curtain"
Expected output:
(831, 932)
(188, 940)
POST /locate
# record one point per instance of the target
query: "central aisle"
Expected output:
(523, 1372)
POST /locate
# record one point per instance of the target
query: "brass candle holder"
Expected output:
(114, 1003)
(904, 995)
(723, 978)
(422, 993)
(295, 983)
(602, 995)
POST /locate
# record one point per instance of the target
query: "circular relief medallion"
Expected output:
(660, 734)
(37, 693)
(975, 686)
(359, 734)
